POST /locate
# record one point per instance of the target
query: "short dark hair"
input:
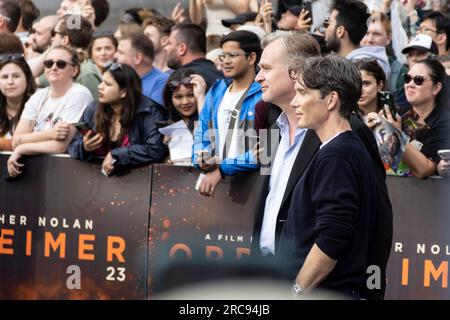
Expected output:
(441, 22)
(10, 9)
(193, 35)
(101, 8)
(142, 44)
(10, 43)
(29, 13)
(332, 73)
(81, 36)
(248, 41)
(353, 16)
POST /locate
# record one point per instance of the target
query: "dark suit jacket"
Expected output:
(381, 234)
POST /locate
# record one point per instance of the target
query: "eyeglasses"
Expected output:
(110, 65)
(425, 29)
(54, 33)
(60, 64)
(326, 23)
(418, 80)
(174, 84)
(231, 55)
(11, 57)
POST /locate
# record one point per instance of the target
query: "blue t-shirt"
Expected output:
(153, 84)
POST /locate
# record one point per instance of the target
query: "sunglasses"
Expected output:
(112, 66)
(54, 33)
(418, 80)
(11, 57)
(60, 64)
(174, 84)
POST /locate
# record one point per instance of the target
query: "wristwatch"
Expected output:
(296, 290)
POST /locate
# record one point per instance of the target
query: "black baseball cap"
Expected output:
(240, 19)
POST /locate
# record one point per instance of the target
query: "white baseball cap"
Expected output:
(421, 42)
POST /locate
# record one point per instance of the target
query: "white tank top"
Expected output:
(216, 11)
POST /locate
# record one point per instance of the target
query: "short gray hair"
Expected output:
(296, 45)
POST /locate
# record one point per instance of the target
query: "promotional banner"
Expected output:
(418, 266)
(191, 229)
(68, 232)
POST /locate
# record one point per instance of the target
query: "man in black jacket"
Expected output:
(326, 236)
(281, 49)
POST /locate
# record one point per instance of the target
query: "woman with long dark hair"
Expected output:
(374, 79)
(425, 86)
(16, 87)
(123, 124)
(184, 96)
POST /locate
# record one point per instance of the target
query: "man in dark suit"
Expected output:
(280, 50)
(285, 167)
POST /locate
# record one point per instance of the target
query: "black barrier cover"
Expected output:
(418, 266)
(77, 204)
(189, 229)
(62, 221)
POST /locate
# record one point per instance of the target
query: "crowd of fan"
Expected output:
(197, 68)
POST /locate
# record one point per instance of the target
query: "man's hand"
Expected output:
(92, 142)
(209, 183)
(206, 162)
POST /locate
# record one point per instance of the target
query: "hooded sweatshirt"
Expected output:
(377, 52)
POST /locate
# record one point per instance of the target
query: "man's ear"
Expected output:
(441, 38)
(333, 100)
(163, 41)
(340, 32)
(182, 49)
(65, 40)
(252, 58)
(138, 58)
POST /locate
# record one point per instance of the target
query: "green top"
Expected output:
(89, 77)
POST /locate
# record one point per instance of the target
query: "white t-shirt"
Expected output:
(227, 105)
(47, 111)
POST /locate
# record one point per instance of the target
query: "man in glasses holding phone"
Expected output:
(228, 114)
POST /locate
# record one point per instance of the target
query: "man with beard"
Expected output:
(186, 47)
(346, 27)
(40, 38)
(158, 31)
(228, 113)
